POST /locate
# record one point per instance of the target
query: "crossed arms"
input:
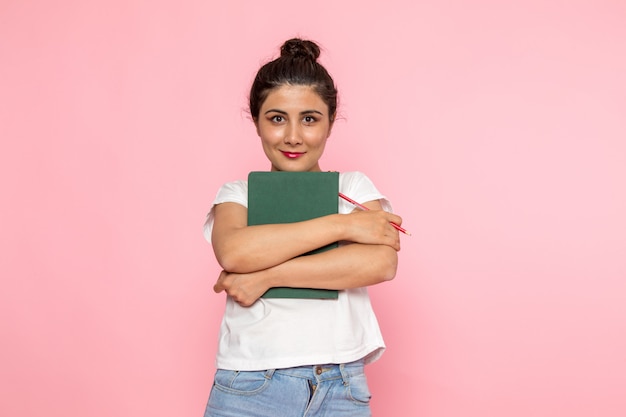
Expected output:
(256, 258)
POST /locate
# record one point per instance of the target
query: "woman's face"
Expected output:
(293, 125)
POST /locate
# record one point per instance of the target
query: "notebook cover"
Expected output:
(288, 197)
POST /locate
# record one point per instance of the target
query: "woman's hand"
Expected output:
(373, 227)
(245, 289)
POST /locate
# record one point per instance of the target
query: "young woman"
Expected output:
(288, 357)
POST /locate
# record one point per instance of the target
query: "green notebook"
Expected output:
(288, 197)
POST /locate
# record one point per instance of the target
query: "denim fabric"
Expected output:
(311, 391)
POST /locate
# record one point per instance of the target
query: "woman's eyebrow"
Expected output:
(275, 111)
(311, 111)
(301, 113)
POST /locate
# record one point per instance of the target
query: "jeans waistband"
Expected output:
(324, 372)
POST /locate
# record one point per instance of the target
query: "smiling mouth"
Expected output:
(292, 155)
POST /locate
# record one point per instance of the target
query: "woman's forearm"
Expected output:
(254, 248)
(351, 266)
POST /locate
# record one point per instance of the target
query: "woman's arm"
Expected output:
(242, 249)
(350, 266)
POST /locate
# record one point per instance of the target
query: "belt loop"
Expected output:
(269, 373)
(344, 374)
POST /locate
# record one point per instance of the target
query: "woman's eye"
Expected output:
(277, 119)
(309, 119)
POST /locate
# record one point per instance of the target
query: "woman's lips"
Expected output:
(292, 155)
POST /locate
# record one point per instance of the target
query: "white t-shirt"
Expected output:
(281, 333)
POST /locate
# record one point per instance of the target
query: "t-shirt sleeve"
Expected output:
(232, 192)
(360, 188)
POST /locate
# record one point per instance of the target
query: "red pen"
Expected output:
(361, 206)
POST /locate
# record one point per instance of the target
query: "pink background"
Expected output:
(497, 129)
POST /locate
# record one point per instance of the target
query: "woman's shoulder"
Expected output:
(233, 191)
(360, 187)
(351, 176)
(236, 186)
(352, 179)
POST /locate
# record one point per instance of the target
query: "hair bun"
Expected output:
(299, 48)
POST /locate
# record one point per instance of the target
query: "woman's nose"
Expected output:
(293, 136)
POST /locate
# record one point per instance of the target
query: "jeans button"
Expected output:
(318, 370)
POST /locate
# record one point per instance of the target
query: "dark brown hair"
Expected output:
(297, 65)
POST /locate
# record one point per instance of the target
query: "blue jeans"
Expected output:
(325, 390)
